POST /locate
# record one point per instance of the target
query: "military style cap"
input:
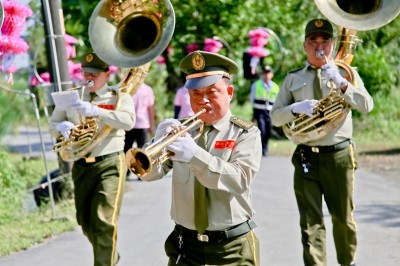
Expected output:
(267, 69)
(205, 68)
(91, 63)
(319, 25)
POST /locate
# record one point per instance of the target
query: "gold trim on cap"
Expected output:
(209, 73)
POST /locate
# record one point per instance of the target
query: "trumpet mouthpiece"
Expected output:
(320, 53)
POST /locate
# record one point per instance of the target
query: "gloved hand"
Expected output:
(65, 128)
(332, 73)
(184, 148)
(305, 107)
(165, 127)
(86, 108)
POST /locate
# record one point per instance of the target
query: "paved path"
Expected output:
(144, 224)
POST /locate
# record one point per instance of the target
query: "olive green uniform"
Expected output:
(99, 177)
(323, 168)
(227, 169)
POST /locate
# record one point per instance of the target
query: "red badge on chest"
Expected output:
(224, 144)
(106, 106)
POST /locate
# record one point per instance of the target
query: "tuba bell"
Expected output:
(350, 16)
(133, 32)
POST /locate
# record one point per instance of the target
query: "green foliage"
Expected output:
(383, 123)
(12, 188)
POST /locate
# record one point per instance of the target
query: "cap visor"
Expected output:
(92, 70)
(198, 83)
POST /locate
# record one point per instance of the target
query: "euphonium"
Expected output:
(140, 161)
(126, 34)
(351, 16)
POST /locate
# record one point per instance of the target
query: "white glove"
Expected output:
(305, 107)
(86, 108)
(332, 73)
(65, 128)
(184, 148)
(165, 127)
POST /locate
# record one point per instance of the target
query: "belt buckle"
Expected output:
(90, 160)
(202, 238)
(315, 149)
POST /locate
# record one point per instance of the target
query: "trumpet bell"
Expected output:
(130, 35)
(359, 14)
(138, 161)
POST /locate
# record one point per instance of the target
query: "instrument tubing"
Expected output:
(326, 149)
(219, 235)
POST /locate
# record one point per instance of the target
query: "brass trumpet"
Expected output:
(140, 161)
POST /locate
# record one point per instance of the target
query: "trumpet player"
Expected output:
(99, 177)
(324, 167)
(212, 176)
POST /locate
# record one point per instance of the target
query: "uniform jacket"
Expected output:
(227, 171)
(120, 120)
(298, 86)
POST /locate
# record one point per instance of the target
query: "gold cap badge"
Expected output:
(198, 61)
(319, 23)
(89, 58)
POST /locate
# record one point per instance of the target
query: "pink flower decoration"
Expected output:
(192, 47)
(12, 45)
(211, 45)
(258, 51)
(258, 37)
(45, 76)
(14, 18)
(113, 69)
(69, 47)
(161, 60)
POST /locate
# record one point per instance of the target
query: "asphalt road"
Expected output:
(145, 223)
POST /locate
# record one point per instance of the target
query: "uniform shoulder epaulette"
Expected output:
(295, 70)
(245, 124)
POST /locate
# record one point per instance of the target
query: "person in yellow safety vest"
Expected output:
(263, 93)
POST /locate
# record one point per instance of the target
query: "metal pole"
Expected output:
(54, 28)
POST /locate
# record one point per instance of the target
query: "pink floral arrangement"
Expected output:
(191, 47)
(211, 45)
(11, 43)
(258, 39)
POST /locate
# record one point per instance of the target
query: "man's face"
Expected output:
(215, 98)
(318, 42)
(99, 79)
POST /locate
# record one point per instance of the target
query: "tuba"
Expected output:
(350, 16)
(133, 32)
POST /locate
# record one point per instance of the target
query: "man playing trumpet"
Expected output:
(211, 195)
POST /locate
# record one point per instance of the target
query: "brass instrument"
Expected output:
(351, 16)
(126, 34)
(140, 161)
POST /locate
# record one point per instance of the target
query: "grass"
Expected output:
(29, 229)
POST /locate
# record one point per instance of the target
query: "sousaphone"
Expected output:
(350, 16)
(127, 34)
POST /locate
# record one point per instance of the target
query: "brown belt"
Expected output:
(326, 149)
(98, 158)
